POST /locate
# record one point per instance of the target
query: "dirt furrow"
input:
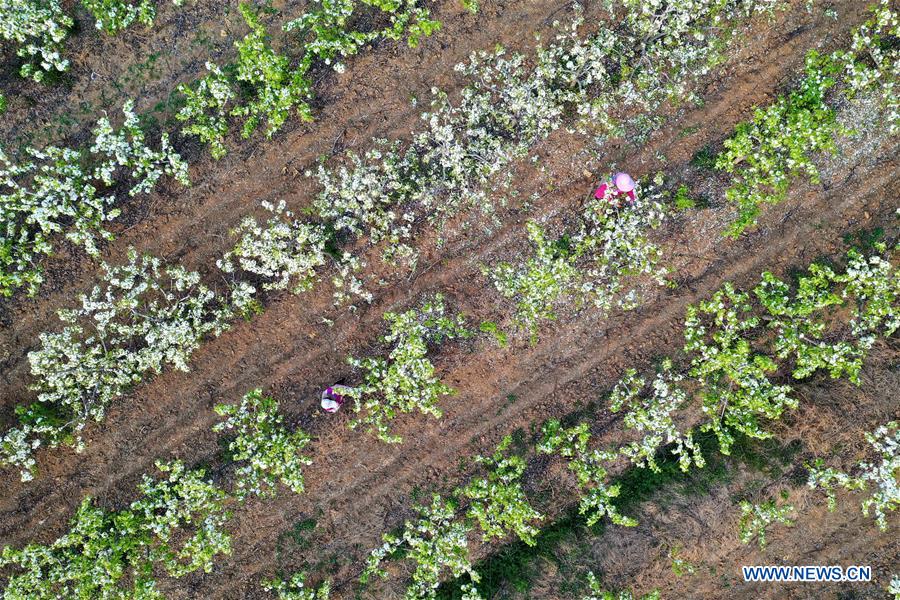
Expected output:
(191, 226)
(287, 351)
(570, 367)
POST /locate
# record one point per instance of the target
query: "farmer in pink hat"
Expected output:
(613, 191)
(333, 397)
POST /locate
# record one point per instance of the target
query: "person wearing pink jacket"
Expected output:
(620, 188)
(333, 397)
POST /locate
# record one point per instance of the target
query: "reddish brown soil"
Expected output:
(191, 226)
(358, 488)
(141, 63)
(703, 525)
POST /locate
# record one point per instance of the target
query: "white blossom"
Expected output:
(37, 28)
(757, 518)
(588, 466)
(437, 541)
(651, 414)
(177, 525)
(405, 381)
(144, 317)
(880, 478)
(53, 193)
(270, 451)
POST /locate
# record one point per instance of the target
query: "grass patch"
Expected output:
(512, 565)
(297, 537)
(500, 337)
(515, 565)
(769, 457)
(864, 240)
(684, 200)
(704, 158)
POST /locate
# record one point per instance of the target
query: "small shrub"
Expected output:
(38, 29)
(766, 154)
(881, 476)
(435, 542)
(405, 381)
(597, 592)
(498, 503)
(295, 588)
(271, 452)
(683, 200)
(757, 518)
(572, 444)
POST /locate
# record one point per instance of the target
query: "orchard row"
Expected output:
(147, 315)
(735, 342)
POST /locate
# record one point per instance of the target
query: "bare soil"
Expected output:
(359, 488)
(697, 519)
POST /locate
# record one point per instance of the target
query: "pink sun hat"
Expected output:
(623, 182)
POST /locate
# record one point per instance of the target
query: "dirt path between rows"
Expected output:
(575, 363)
(359, 487)
(191, 226)
(703, 525)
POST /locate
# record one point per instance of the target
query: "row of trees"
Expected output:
(155, 315)
(737, 345)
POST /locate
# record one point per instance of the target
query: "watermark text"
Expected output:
(806, 573)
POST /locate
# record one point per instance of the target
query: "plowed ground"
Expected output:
(359, 488)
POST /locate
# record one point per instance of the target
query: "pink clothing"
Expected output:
(601, 192)
(331, 400)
